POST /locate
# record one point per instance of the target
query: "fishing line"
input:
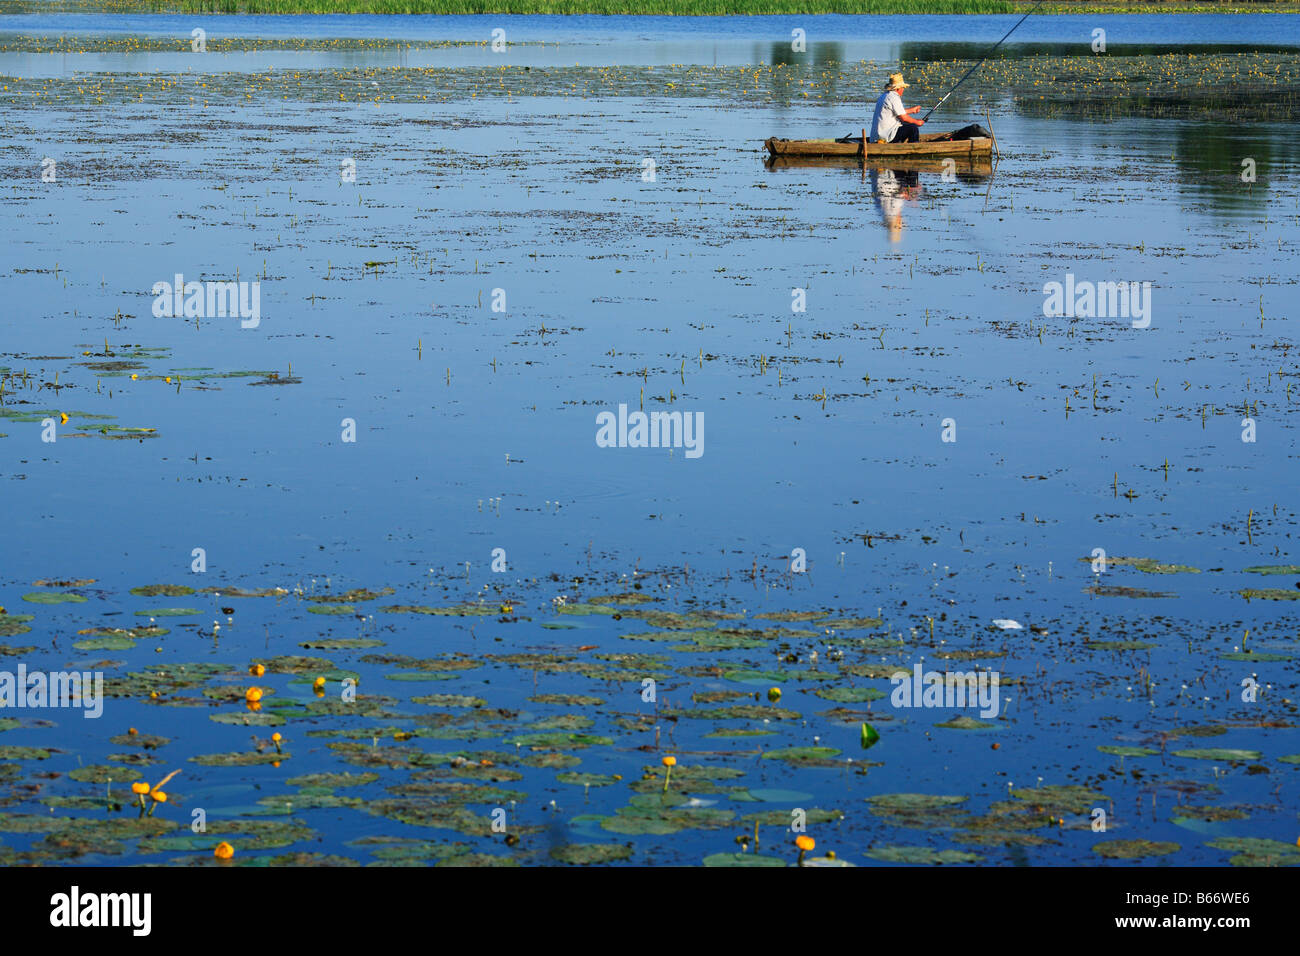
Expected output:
(981, 60)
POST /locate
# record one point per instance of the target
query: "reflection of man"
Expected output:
(891, 188)
(892, 122)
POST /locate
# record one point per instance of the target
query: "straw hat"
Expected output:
(895, 81)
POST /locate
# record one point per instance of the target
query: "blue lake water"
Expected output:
(825, 428)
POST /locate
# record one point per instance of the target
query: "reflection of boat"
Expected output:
(932, 145)
(966, 168)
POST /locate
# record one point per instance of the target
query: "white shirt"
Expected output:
(889, 194)
(885, 122)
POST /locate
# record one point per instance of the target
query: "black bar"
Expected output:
(240, 906)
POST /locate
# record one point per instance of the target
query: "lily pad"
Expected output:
(1209, 814)
(296, 664)
(966, 723)
(1201, 730)
(1124, 591)
(913, 801)
(811, 755)
(826, 861)
(432, 813)
(551, 761)
(449, 700)
(476, 860)
(1257, 851)
(567, 700)
(849, 695)
(662, 814)
(852, 623)
(458, 610)
(626, 599)
(12, 625)
(104, 773)
(242, 834)
(246, 718)
(1149, 565)
(585, 853)
(921, 855)
(564, 722)
(1225, 754)
(134, 633)
(743, 859)
(162, 590)
(332, 780)
(737, 712)
(1133, 849)
(53, 597)
(1061, 799)
(105, 644)
(675, 621)
(1117, 751)
(238, 759)
(146, 741)
(347, 597)
(1269, 594)
(233, 592)
(24, 753)
(787, 616)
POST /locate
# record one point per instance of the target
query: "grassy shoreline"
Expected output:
(687, 8)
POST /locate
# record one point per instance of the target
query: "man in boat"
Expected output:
(893, 122)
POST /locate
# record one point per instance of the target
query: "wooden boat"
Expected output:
(931, 146)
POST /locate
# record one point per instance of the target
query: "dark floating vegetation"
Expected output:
(482, 769)
(1173, 84)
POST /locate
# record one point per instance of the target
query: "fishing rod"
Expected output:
(981, 60)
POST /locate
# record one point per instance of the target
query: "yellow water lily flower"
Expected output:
(805, 844)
